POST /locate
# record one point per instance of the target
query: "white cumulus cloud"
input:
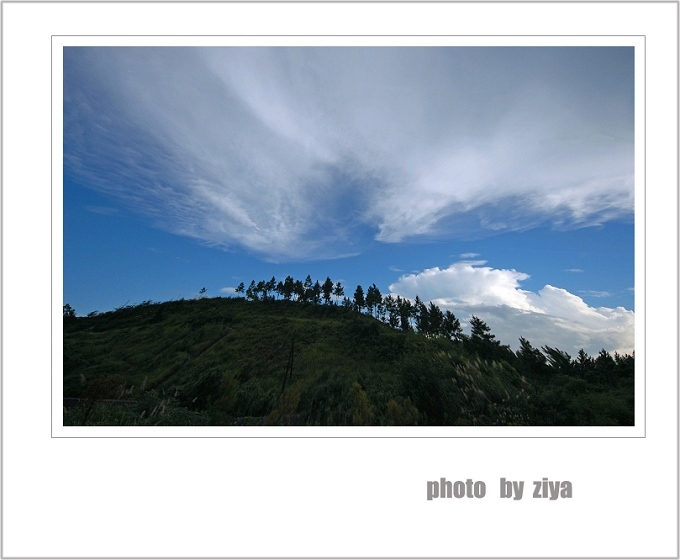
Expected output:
(552, 316)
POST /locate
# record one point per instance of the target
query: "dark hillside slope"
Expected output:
(232, 361)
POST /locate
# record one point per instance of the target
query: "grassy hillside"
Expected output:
(275, 362)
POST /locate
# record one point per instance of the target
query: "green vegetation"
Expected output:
(295, 353)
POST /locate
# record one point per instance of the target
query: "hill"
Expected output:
(231, 361)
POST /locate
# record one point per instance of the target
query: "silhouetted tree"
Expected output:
(338, 291)
(316, 293)
(530, 361)
(605, 366)
(359, 301)
(435, 320)
(261, 289)
(583, 364)
(327, 290)
(406, 311)
(299, 290)
(251, 292)
(309, 293)
(558, 360)
(270, 288)
(421, 316)
(288, 287)
(483, 343)
(625, 366)
(451, 327)
(392, 311)
(480, 330)
(240, 288)
(373, 298)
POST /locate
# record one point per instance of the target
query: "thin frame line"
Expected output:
(430, 427)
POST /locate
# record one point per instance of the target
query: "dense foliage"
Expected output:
(303, 353)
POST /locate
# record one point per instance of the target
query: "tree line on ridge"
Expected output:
(430, 321)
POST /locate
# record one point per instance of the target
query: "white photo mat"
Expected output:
(325, 493)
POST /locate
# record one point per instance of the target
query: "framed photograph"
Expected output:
(425, 179)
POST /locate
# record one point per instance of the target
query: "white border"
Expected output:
(325, 497)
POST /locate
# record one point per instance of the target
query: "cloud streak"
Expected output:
(552, 316)
(297, 153)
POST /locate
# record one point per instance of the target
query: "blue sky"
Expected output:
(494, 181)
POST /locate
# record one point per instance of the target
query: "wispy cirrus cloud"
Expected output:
(300, 153)
(552, 316)
(595, 293)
